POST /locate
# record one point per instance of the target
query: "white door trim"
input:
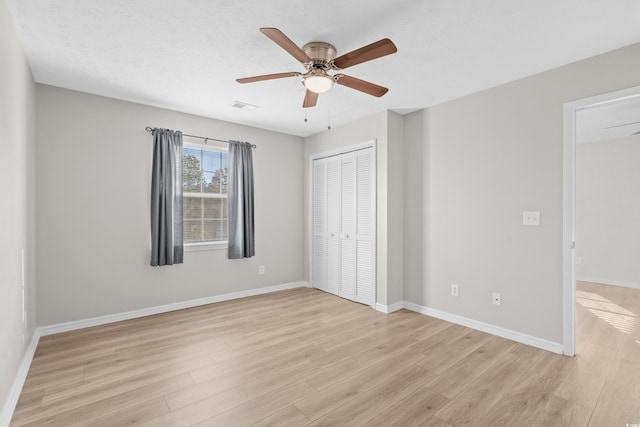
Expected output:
(569, 206)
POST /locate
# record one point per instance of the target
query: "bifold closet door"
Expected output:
(343, 259)
(333, 225)
(365, 227)
(347, 235)
(319, 266)
(326, 225)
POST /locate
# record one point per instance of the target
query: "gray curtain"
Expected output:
(240, 198)
(166, 198)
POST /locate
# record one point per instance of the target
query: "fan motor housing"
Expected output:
(321, 54)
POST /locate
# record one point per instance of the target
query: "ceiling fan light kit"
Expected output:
(317, 82)
(318, 58)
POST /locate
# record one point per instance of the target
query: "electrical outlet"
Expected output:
(261, 269)
(455, 290)
(531, 218)
(497, 299)
(578, 260)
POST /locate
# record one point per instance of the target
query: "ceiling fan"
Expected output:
(319, 58)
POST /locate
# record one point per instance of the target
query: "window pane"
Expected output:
(225, 160)
(209, 228)
(191, 207)
(223, 230)
(223, 207)
(192, 231)
(224, 172)
(212, 182)
(212, 208)
(210, 160)
(215, 230)
(190, 186)
(191, 172)
(191, 158)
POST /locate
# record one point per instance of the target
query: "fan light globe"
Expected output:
(318, 83)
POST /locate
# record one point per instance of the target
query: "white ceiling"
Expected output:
(185, 55)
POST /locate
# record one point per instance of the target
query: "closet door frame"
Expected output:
(331, 153)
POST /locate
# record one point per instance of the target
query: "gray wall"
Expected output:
(608, 211)
(395, 207)
(93, 191)
(17, 201)
(413, 193)
(489, 157)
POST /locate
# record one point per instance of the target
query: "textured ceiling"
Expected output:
(185, 55)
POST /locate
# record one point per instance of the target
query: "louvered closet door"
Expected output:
(343, 260)
(319, 266)
(333, 224)
(365, 226)
(348, 227)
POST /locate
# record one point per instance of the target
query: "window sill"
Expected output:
(205, 246)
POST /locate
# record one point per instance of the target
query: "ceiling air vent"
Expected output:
(244, 106)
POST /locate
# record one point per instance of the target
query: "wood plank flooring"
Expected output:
(307, 358)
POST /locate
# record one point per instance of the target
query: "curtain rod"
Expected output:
(150, 129)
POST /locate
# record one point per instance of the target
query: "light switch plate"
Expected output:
(531, 218)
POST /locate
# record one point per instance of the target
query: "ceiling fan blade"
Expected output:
(285, 42)
(267, 77)
(310, 99)
(361, 85)
(375, 50)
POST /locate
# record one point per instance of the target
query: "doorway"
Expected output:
(574, 130)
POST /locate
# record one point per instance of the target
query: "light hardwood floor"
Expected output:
(304, 357)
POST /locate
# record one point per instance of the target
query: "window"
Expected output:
(204, 175)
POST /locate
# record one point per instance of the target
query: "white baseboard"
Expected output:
(21, 376)
(389, 308)
(486, 327)
(474, 324)
(633, 285)
(111, 318)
